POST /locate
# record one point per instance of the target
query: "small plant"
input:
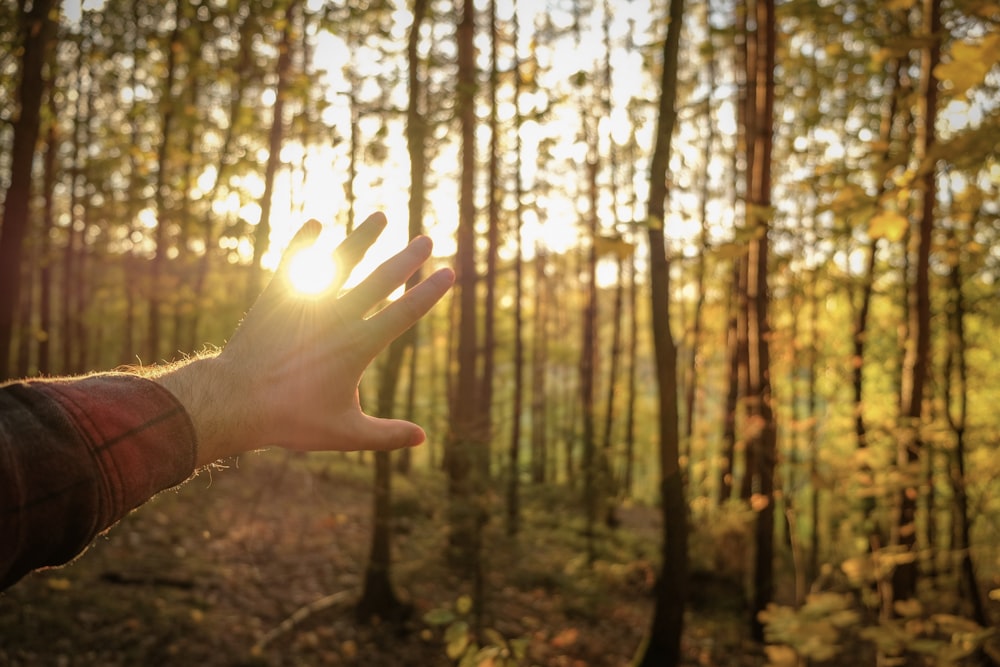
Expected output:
(465, 648)
(811, 632)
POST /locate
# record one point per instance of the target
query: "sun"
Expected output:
(311, 271)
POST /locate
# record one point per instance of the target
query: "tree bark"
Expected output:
(514, 449)
(37, 31)
(463, 445)
(762, 440)
(276, 136)
(161, 193)
(378, 599)
(915, 370)
(663, 646)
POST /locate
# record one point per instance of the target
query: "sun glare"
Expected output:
(312, 271)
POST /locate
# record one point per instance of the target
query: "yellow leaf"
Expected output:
(969, 62)
(463, 605)
(781, 656)
(995, 594)
(908, 608)
(613, 246)
(888, 225)
(59, 584)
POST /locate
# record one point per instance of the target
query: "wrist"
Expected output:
(207, 390)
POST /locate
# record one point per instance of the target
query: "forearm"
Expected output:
(76, 456)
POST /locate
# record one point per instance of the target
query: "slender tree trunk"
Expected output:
(915, 371)
(592, 491)
(276, 137)
(463, 445)
(860, 333)
(379, 600)
(957, 373)
(161, 192)
(762, 442)
(728, 456)
(416, 140)
(47, 253)
(539, 373)
(514, 450)
(492, 250)
(663, 646)
(224, 160)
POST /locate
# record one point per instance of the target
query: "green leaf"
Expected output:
(494, 638)
(439, 617)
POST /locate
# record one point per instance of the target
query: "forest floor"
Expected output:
(211, 574)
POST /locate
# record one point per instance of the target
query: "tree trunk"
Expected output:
(44, 351)
(956, 372)
(463, 445)
(762, 441)
(492, 249)
(915, 371)
(539, 373)
(262, 234)
(663, 646)
(514, 449)
(379, 600)
(161, 193)
(222, 165)
(37, 31)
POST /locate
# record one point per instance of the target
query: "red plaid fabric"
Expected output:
(78, 455)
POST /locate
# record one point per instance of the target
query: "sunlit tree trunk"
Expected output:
(663, 644)
(915, 370)
(761, 441)
(276, 137)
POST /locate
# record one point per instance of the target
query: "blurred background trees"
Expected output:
(830, 236)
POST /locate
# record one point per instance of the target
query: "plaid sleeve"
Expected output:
(78, 455)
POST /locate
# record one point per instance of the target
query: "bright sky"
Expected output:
(322, 194)
(385, 186)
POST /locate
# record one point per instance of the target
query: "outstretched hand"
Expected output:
(289, 377)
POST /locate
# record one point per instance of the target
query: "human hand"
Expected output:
(289, 376)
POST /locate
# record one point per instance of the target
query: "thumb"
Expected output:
(377, 434)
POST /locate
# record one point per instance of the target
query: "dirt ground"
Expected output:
(262, 564)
